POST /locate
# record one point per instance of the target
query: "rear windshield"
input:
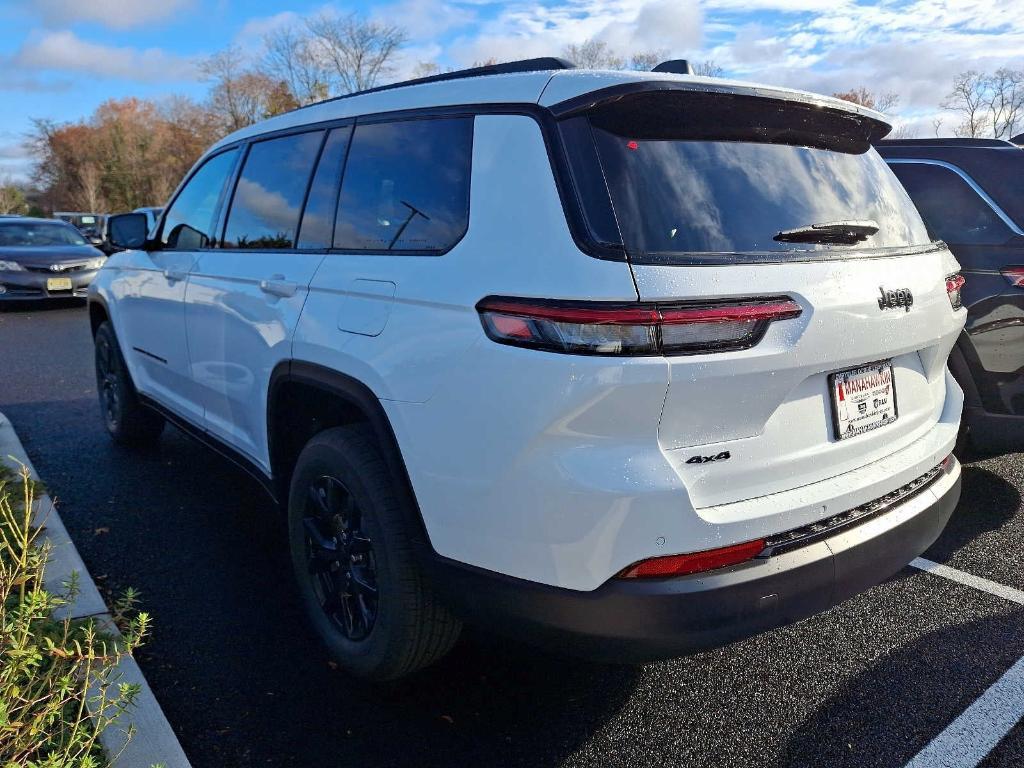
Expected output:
(697, 182)
(38, 234)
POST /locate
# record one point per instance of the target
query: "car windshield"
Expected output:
(38, 234)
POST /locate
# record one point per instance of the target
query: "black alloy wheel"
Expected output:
(342, 566)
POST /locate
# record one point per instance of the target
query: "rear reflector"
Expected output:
(1014, 276)
(953, 285)
(696, 562)
(603, 328)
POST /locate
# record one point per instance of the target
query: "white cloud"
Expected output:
(119, 14)
(523, 30)
(65, 51)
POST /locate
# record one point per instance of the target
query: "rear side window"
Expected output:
(690, 175)
(270, 192)
(406, 186)
(952, 210)
(190, 221)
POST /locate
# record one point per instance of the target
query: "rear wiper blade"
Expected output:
(838, 232)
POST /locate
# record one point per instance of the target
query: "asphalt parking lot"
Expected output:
(870, 683)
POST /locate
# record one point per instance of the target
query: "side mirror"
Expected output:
(128, 230)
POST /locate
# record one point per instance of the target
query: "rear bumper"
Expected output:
(21, 286)
(645, 620)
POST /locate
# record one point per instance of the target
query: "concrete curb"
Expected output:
(154, 742)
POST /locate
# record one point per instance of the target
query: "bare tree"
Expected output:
(239, 95)
(426, 69)
(645, 61)
(593, 54)
(880, 102)
(1004, 98)
(357, 52)
(937, 125)
(708, 68)
(291, 56)
(968, 98)
(90, 183)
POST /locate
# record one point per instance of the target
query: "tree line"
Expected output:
(133, 152)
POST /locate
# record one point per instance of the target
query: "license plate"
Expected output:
(58, 284)
(863, 399)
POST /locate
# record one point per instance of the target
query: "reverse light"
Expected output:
(605, 328)
(953, 285)
(1014, 276)
(696, 562)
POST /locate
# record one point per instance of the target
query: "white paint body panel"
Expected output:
(554, 468)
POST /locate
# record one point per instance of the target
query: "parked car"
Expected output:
(597, 359)
(45, 259)
(152, 214)
(970, 195)
(92, 225)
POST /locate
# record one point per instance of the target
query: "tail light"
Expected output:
(603, 328)
(1014, 276)
(697, 562)
(953, 285)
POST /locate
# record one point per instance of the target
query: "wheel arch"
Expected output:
(304, 399)
(98, 313)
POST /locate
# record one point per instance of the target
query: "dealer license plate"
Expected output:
(863, 399)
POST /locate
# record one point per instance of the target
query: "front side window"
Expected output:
(952, 210)
(270, 192)
(406, 186)
(191, 219)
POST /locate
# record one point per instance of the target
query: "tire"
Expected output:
(367, 598)
(127, 420)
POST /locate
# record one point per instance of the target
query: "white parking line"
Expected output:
(968, 739)
(1007, 593)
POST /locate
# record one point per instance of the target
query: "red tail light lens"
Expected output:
(1014, 276)
(697, 562)
(602, 328)
(953, 285)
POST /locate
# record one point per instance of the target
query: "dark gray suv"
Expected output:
(970, 193)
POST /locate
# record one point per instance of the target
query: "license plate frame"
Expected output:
(844, 423)
(59, 284)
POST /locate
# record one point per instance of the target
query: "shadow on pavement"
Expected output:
(888, 713)
(993, 502)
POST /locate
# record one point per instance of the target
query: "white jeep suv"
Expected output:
(644, 363)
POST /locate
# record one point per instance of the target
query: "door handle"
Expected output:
(278, 286)
(174, 275)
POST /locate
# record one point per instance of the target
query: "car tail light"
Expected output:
(953, 285)
(603, 328)
(1014, 276)
(696, 562)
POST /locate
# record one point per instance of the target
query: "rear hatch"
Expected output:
(725, 197)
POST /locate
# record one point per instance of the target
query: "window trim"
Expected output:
(218, 208)
(981, 193)
(328, 132)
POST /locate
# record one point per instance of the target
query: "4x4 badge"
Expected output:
(707, 459)
(901, 297)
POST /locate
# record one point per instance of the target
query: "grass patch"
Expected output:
(59, 688)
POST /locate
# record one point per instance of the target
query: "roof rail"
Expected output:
(675, 66)
(945, 142)
(542, 64)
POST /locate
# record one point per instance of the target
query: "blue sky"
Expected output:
(60, 58)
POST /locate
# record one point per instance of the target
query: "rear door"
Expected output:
(245, 297)
(726, 198)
